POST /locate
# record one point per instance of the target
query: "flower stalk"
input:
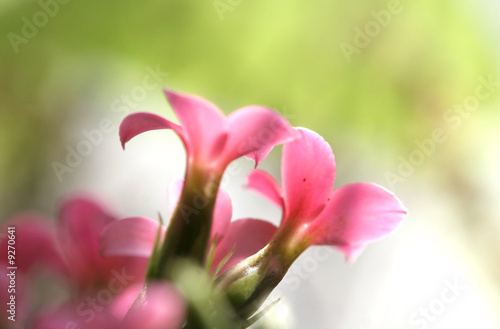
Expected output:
(188, 234)
(248, 284)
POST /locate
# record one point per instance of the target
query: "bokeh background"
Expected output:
(88, 63)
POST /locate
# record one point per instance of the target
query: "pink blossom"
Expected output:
(347, 218)
(28, 239)
(79, 226)
(70, 246)
(158, 307)
(212, 141)
(68, 250)
(34, 244)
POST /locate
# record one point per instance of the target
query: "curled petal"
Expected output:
(134, 236)
(356, 215)
(222, 213)
(248, 236)
(308, 171)
(201, 121)
(137, 123)
(253, 131)
(266, 185)
(159, 307)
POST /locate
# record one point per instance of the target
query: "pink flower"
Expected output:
(212, 141)
(79, 227)
(158, 307)
(70, 248)
(347, 218)
(34, 244)
(136, 236)
(29, 247)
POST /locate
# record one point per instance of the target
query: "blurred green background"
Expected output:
(71, 70)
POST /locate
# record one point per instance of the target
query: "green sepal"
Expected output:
(155, 255)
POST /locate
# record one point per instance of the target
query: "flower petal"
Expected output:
(174, 194)
(356, 215)
(202, 122)
(122, 302)
(351, 252)
(266, 185)
(248, 235)
(81, 222)
(222, 213)
(134, 236)
(80, 226)
(35, 243)
(308, 171)
(253, 131)
(137, 123)
(161, 307)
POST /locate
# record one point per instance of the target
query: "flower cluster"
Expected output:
(202, 270)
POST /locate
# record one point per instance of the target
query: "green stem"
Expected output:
(247, 290)
(189, 230)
